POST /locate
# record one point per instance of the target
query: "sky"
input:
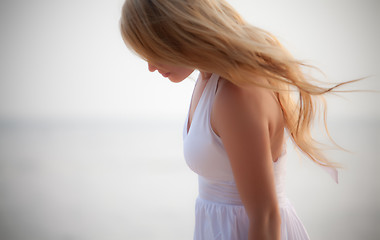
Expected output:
(66, 59)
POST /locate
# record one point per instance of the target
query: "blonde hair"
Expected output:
(209, 35)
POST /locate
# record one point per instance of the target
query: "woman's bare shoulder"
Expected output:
(253, 103)
(254, 98)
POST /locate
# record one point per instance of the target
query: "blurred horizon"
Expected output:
(128, 180)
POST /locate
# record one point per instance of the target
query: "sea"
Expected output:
(121, 179)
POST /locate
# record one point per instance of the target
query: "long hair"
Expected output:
(209, 35)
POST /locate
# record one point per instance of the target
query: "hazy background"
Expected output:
(90, 141)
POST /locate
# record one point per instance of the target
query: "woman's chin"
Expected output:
(175, 80)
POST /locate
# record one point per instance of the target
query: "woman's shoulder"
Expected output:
(248, 97)
(249, 104)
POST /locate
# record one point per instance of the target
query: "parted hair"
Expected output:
(209, 35)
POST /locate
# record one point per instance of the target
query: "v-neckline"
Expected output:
(188, 124)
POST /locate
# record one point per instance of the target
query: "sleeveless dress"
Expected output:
(219, 212)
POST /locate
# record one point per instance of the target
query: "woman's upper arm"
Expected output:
(241, 119)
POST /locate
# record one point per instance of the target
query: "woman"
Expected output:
(250, 89)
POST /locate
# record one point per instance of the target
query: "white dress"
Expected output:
(219, 212)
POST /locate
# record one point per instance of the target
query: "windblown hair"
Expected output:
(209, 35)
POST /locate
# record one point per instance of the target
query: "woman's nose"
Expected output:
(151, 67)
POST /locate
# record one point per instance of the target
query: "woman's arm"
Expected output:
(243, 117)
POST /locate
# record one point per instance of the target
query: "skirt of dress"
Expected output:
(219, 221)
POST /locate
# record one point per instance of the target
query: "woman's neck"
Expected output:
(205, 75)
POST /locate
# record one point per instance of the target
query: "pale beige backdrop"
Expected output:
(90, 141)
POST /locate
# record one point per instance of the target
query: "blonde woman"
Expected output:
(250, 90)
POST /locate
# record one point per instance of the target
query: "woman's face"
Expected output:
(175, 73)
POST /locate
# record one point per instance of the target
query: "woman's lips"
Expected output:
(165, 74)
